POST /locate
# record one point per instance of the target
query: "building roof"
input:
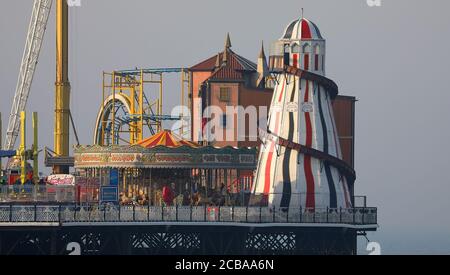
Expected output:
(246, 64)
(233, 68)
(239, 62)
(206, 65)
(167, 139)
(226, 65)
(302, 29)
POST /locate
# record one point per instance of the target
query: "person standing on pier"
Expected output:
(167, 195)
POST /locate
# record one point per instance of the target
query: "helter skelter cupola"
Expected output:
(300, 162)
(301, 46)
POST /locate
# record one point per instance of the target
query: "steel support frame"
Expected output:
(133, 85)
(178, 240)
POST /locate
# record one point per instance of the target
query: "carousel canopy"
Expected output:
(167, 139)
(137, 156)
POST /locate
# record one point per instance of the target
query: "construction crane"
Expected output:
(35, 37)
(36, 31)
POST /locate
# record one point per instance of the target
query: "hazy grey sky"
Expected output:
(394, 59)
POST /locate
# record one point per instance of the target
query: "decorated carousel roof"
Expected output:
(166, 138)
(160, 155)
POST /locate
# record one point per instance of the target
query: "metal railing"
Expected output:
(112, 213)
(37, 194)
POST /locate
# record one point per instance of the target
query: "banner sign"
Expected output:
(114, 177)
(173, 158)
(61, 180)
(134, 157)
(216, 158)
(109, 194)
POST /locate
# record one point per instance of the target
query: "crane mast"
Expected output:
(35, 37)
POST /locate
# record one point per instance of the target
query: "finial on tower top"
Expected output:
(303, 12)
(227, 47)
(228, 41)
(261, 53)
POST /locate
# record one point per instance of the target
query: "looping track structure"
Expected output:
(129, 110)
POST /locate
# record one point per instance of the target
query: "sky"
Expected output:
(393, 58)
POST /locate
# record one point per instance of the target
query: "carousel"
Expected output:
(167, 170)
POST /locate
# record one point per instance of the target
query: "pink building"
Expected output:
(228, 79)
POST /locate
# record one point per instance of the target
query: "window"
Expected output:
(306, 62)
(286, 55)
(224, 94)
(295, 60)
(316, 62)
(295, 48)
(316, 57)
(306, 48)
(223, 121)
(317, 49)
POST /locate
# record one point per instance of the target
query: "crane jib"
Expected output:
(33, 44)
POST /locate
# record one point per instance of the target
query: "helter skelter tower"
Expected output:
(300, 162)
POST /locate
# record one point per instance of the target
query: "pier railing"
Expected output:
(114, 214)
(37, 194)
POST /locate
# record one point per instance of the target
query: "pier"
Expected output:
(109, 230)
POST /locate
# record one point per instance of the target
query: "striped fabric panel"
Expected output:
(302, 29)
(166, 138)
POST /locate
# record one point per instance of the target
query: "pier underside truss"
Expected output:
(178, 240)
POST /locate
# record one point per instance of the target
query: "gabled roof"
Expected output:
(231, 70)
(226, 74)
(238, 62)
(206, 65)
(226, 66)
(246, 64)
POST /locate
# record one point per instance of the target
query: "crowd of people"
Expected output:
(170, 195)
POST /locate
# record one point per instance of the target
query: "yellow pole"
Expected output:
(133, 112)
(22, 148)
(189, 100)
(182, 103)
(189, 75)
(1, 141)
(113, 130)
(141, 107)
(102, 134)
(62, 86)
(158, 128)
(35, 149)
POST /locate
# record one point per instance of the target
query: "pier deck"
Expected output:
(182, 230)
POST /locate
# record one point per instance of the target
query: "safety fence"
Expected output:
(113, 213)
(37, 193)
